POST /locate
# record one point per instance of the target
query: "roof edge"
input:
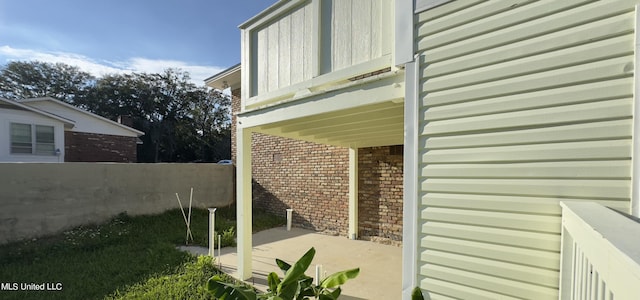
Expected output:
(66, 121)
(224, 73)
(263, 13)
(54, 100)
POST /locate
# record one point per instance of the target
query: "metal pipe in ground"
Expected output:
(212, 231)
(289, 217)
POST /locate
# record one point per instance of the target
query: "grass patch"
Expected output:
(127, 257)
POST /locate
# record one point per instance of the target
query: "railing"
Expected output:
(600, 256)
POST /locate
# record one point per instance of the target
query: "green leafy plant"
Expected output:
(228, 237)
(294, 285)
(416, 294)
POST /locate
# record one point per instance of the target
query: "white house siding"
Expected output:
(283, 50)
(358, 28)
(523, 104)
(312, 39)
(84, 121)
(8, 116)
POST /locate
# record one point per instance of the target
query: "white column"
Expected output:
(410, 230)
(212, 232)
(353, 193)
(243, 202)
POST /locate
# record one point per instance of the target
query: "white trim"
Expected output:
(370, 90)
(422, 5)
(324, 80)
(316, 39)
(403, 25)
(245, 57)
(67, 123)
(270, 13)
(411, 199)
(243, 202)
(229, 74)
(635, 156)
(353, 193)
(69, 106)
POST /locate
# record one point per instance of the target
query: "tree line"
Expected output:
(182, 122)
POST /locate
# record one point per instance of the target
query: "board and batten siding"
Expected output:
(522, 104)
(309, 40)
(282, 50)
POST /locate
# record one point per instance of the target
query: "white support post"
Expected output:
(289, 218)
(212, 231)
(243, 203)
(410, 241)
(353, 193)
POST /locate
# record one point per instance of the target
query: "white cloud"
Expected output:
(100, 68)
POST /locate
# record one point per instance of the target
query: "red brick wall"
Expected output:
(91, 147)
(380, 192)
(313, 180)
(235, 108)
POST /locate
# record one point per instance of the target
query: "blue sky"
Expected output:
(111, 36)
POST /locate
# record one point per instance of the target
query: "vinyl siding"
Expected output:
(523, 104)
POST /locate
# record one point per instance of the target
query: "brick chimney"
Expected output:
(125, 120)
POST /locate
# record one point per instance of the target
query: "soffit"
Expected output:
(367, 115)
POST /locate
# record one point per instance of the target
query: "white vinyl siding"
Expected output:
(522, 104)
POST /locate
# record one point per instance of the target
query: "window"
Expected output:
(21, 138)
(28, 139)
(45, 144)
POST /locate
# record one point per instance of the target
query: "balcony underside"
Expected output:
(364, 113)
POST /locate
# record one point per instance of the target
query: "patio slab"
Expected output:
(380, 265)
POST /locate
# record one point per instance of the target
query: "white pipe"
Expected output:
(289, 217)
(212, 232)
(189, 221)
(318, 274)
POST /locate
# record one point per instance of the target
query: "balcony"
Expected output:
(299, 48)
(600, 256)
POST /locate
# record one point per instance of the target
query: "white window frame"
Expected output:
(36, 144)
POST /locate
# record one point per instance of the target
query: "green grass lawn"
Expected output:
(127, 257)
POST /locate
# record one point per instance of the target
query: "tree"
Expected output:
(182, 122)
(40, 79)
(205, 133)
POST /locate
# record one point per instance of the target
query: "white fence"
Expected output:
(600, 253)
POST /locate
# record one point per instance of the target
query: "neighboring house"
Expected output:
(304, 176)
(86, 137)
(28, 134)
(506, 109)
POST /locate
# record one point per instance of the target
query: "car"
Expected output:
(225, 162)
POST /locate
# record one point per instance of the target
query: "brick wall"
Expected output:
(313, 180)
(235, 108)
(380, 193)
(91, 147)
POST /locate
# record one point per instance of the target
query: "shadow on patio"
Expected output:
(380, 265)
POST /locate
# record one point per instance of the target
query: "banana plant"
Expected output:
(295, 285)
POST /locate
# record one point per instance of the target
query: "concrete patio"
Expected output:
(380, 265)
